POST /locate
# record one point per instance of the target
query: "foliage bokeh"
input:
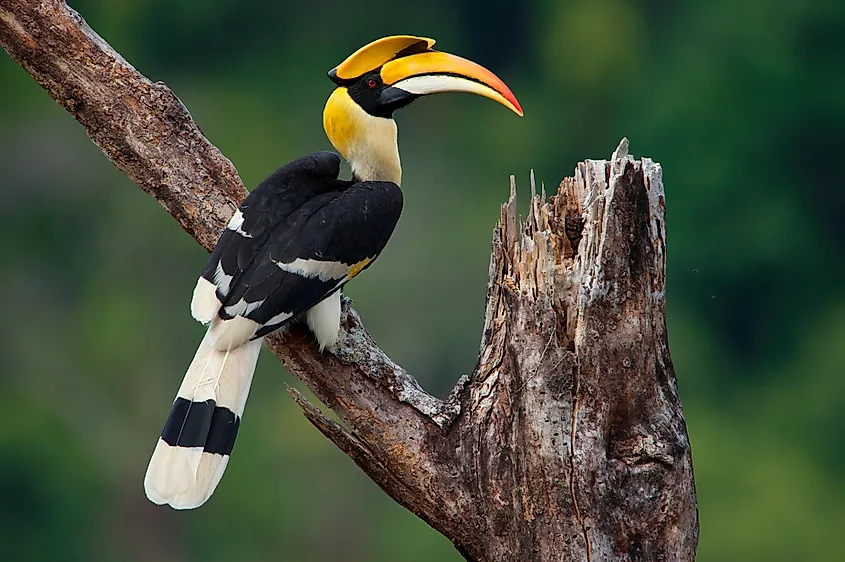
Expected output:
(742, 101)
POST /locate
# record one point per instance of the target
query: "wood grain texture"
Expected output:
(566, 443)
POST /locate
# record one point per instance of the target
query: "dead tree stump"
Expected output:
(571, 441)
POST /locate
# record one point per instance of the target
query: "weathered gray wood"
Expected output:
(566, 443)
(572, 418)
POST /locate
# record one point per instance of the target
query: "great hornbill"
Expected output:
(292, 245)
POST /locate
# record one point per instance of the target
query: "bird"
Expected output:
(292, 245)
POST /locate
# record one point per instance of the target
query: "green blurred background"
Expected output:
(742, 101)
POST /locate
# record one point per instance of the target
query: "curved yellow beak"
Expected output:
(432, 72)
(410, 68)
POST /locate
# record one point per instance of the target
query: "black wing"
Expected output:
(300, 236)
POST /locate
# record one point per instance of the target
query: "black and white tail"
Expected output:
(194, 447)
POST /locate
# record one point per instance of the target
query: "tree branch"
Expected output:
(568, 440)
(146, 131)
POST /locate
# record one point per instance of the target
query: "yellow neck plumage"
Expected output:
(368, 143)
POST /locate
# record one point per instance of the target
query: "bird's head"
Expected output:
(387, 75)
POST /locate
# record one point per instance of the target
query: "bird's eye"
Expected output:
(372, 83)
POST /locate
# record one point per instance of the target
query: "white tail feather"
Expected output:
(185, 477)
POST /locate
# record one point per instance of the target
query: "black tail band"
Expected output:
(201, 424)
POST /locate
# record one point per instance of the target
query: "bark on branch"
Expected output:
(567, 442)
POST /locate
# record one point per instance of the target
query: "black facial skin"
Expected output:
(376, 98)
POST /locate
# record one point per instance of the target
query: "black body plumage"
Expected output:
(300, 212)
